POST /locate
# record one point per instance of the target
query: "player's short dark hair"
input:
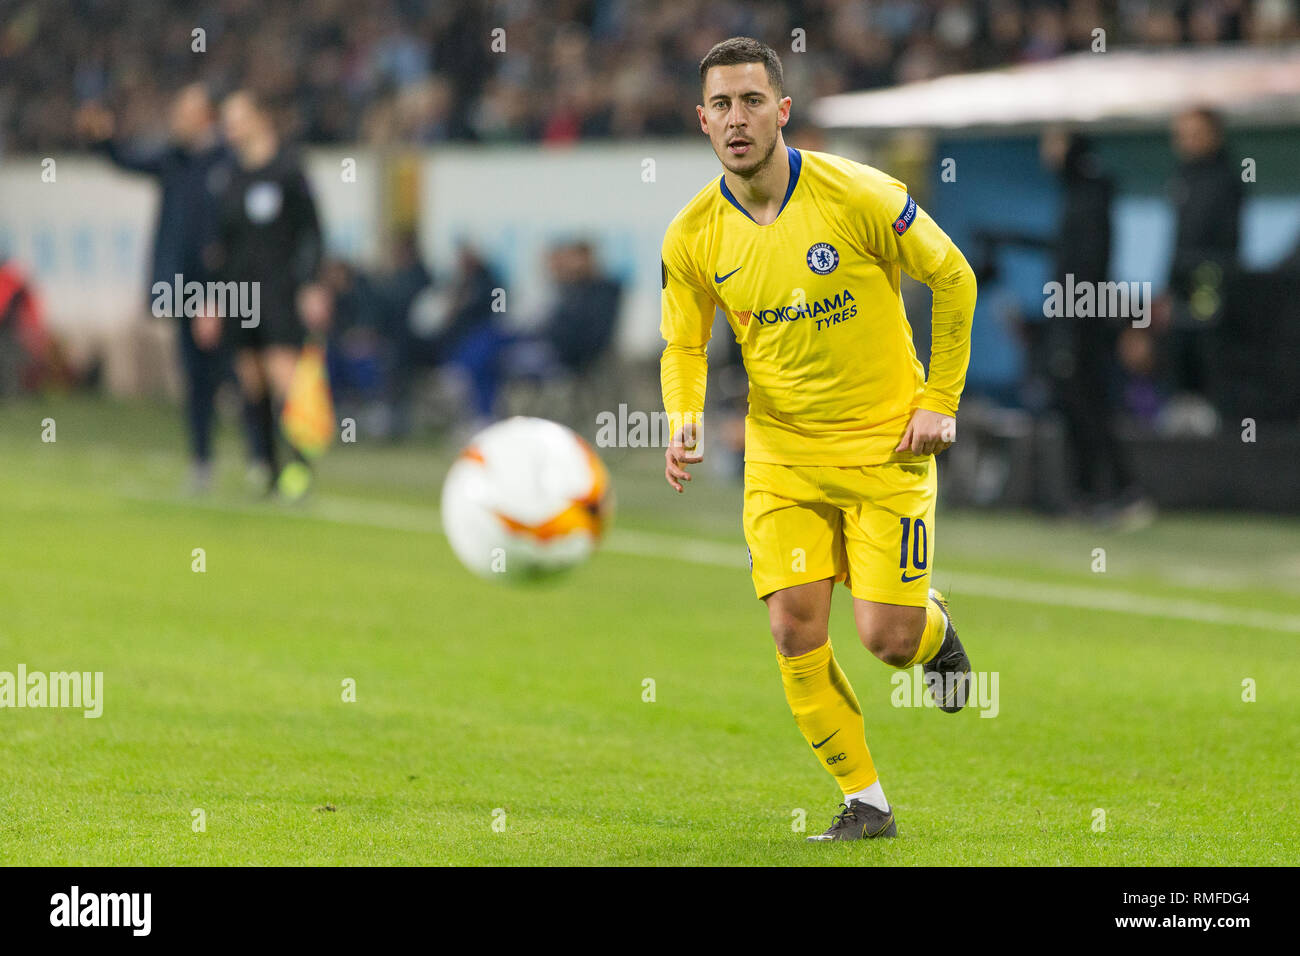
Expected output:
(739, 50)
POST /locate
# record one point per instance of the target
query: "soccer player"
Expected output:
(802, 252)
(269, 234)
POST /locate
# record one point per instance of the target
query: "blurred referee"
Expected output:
(268, 234)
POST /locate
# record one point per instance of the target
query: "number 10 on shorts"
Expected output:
(916, 540)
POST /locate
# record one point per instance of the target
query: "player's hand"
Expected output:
(684, 449)
(315, 305)
(928, 433)
(207, 330)
(94, 123)
(1162, 312)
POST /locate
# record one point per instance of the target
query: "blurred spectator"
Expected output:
(576, 330)
(407, 278)
(26, 349)
(579, 327)
(1207, 197)
(357, 333)
(398, 290)
(469, 341)
(1137, 357)
(374, 352)
(1082, 359)
(472, 340)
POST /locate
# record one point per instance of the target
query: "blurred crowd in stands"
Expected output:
(414, 71)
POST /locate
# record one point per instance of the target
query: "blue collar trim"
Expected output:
(796, 163)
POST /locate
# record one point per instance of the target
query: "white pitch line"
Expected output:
(716, 554)
(1123, 602)
(650, 544)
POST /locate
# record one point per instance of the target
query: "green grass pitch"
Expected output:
(223, 690)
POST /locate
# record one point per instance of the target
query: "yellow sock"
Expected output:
(828, 715)
(931, 638)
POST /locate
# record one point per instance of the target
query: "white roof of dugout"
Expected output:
(1249, 85)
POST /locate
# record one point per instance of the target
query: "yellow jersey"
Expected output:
(813, 299)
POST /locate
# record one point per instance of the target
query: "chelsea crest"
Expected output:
(822, 258)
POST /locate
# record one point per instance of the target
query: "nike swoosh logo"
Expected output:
(916, 577)
(818, 746)
(721, 279)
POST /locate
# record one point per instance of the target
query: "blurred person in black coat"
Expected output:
(192, 169)
(1207, 196)
(579, 326)
(577, 329)
(399, 289)
(1082, 350)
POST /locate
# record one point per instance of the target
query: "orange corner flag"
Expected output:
(308, 417)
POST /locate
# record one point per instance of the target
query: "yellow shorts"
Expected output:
(871, 527)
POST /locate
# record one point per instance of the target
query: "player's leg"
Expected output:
(889, 524)
(903, 637)
(825, 708)
(895, 633)
(202, 372)
(256, 392)
(246, 343)
(796, 554)
(799, 616)
(295, 478)
(947, 673)
(280, 361)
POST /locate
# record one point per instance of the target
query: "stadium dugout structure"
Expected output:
(968, 144)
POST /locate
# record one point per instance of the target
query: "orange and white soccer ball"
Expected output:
(526, 498)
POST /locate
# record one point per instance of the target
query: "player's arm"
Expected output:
(686, 325)
(313, 299)
(98, 126)
(901, 231)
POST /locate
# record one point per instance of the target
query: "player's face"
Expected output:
(742, 116)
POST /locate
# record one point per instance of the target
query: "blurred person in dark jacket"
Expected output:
(403, 282)
(192, 169)
(1207, 197)
(357, 332)
(1082, 349)
(579, 326)
(398, 289)
(472, 339)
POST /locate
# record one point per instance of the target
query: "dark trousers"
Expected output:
(204, 371)
(1100, 463)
